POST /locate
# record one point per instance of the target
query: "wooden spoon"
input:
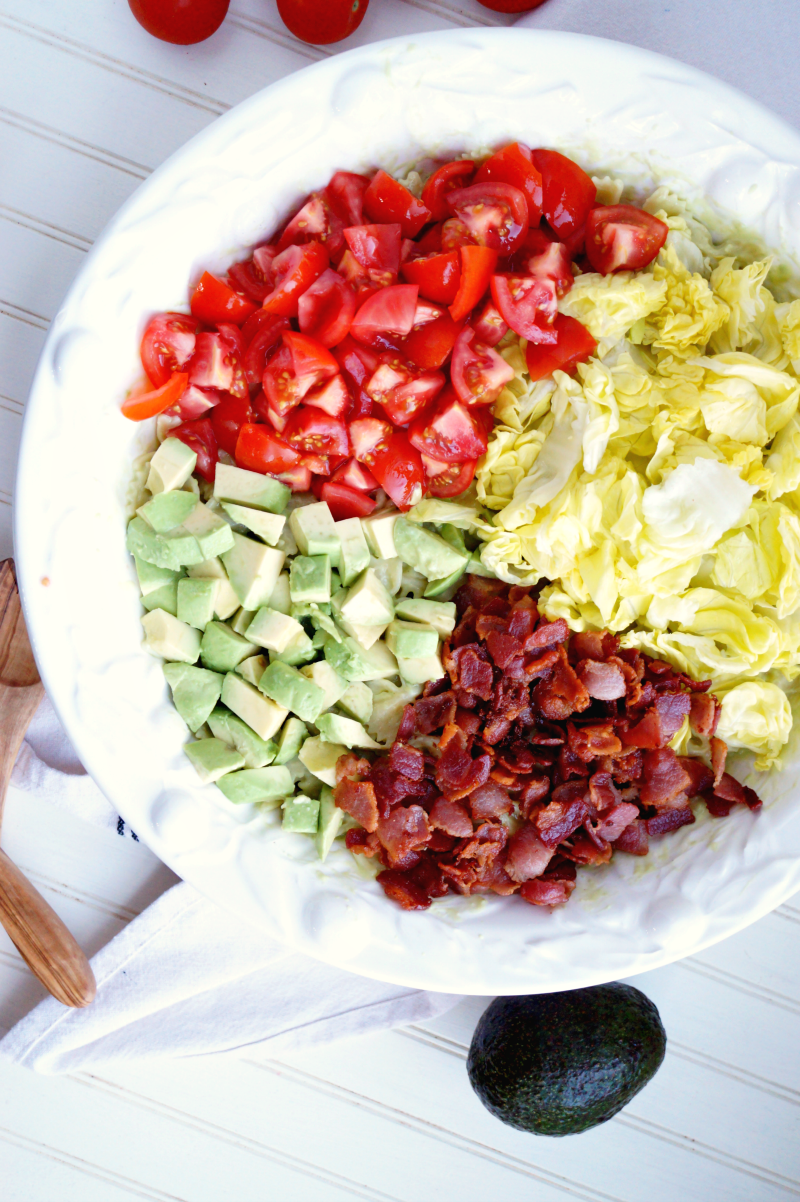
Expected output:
(41, 938)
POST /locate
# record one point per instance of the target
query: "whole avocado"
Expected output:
(560, 1063)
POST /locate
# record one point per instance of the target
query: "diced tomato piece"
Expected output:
(358, 363)
(319, 465)
(552, 262)
(368, 436)
(489, 326)
(431, 241)
(216, 364)
(260, 450)
(261, 345)
(213, 301)
(167, 344)
(254, 276)
(514, 165)
(430, 345)
(446, 179)
(263, 410)
(573, 346)
(317, 433)
(355, 475)
(332, 397)
(496, 215)
(528, 304)
(402, 392)
(387, 200)
(456, 234)
(455, 479)
(477, 266)
(345, 195)
(477, 372)
(149, 404)
(397, 466)
(298, 366)
(316, 221)
(297, 478)
(449, 432)
(199, 435)
(325, 310)
(195, 402)
(567, 191)
(295, 270)
(623, 238)
(436, 276)
(376, 248)
(345, 502)
(227, 419)
(390, 311)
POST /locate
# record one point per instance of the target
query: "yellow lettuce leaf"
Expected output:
(756, 716)
(690, 314)
(609, 305)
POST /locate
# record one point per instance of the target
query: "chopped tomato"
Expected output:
(227, 419)
(552, 261)
(149, 404)
(253, 276)
(368, 436)
(167, 344)
(345, 194)
(397, 466)
(355, 475)
(376, 248)
(431, 345)
(325, 310)
(216, 362)
(449, 432)
(199, 435)
(345, 502)
(496, 215)
(455, 479)
(263, 409)
(316, 221)
(574, 345)
(453, 175)
(213, 301)
(477, 265)
(567, 191)
(263, 342)
(331, 397)
(295, 270)
(387, 200)
(260, 450)
(319, 465)
(528, 304)
(477, 371)
(514, 165)
(390, 311)
(402, 392)
(298, 366)
(436, 276)
(195, 402)
(455, 234)
(297, 478)
(357, 363)
(317, 433)
(431, 241)
(489, 326)
(623, 238)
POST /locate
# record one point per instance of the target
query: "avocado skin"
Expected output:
(560, 1063)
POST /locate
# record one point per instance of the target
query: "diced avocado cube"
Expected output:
(315, 531)
(253, 570)
(441, 615)
(257, 752)
(288, 688)
(143, 542)
(196, 601)
(280, 598)
(195, 692)
(354, 552)
(165, 598)
(164, 635)
(446, 586)
(221, 649)
(261, 715)
(152, 577)
(365, 636)
(301, 815)
(320, 758)
(411, 639)
(241, 620)
(357, 701)
(326, 678)
(310, 578)
(368, 603)
(335, 728)
(273, 630)
(300, 651)
(379, 532)
(360, 663)
(258, 786)
(293, 735)
(213, 534)
(211, 569)
(455, 537)
(171, 466)
(268, 526)
(252, 668)
(421, 669)
(389, 572)
(430, 554)
(250, 488)
(330, 821)
(211, 759)
(167, 510)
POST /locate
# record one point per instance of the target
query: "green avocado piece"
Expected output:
(268, 526)
(441, 615)
(354, 662)
(357, 701)
(430, 554)
(197, 598)
(561, 1063)
(151, 577)
(226, 726)
(310, 578)
(315, 531)
(221, 649)
(330, 821)
(411, 639)
(335, 728)
(167, 510)
(293, 735)
(165, 598)
(212, 759)
(289, 689)
(195, 692)
(258, 786)
(241, 487)
(354, 552)
(300, 651)
(301, 815)
(444, 584)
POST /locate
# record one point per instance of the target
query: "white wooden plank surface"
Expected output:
(89, 105)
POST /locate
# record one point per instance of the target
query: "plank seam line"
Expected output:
(28, 221)
(235, 1138)
(114, 65)
(458, 18)
(726, 978)
(789, 913)
(87, 1167)
(11, 405)
(262, 29)
(92, 901)
(27, 315)
(575, 1189)
(59, 138)
(12, 960)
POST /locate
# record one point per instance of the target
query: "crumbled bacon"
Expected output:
(663, 777)
(605, 682)
(526, 855)
(451, 817)
(357, 798)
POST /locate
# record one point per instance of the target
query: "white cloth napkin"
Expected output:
(186, 978)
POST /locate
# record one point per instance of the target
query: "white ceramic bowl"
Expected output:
(388, 104)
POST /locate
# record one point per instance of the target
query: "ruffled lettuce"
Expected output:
(690, 313)
(610, 305)
(756, 716)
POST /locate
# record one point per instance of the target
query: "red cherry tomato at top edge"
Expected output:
(446, 179)
(213, 301)
(322, 21)
(511, 6)
(567, 191)
(514, 165)
(623, 238)
(167, 344)
(182, 22)
(573, 346)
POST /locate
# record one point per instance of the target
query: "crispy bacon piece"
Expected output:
(634, 839)
(469, 670)
(592, 644)
(493, 877)
(593, 740)
(431, 713)
(403, 831)
(586, 847)
(561, 694)
(526, 855)
(670, 820)
(477, 591)
(408, 724)
(533, 793)
(457, 773)
(603, 793)
(503, 648)
(451, 817)
(403, 889)
(612, 823)
(719, 754)
(704, 714)
(408, 761)
(701, 778)
(605, 682)
(357, 798)
(547, 634)
(490, 800)
(544, 892)
(351, 767)
(567, 810)
(663, 778)
(485, 844)
(470, 723)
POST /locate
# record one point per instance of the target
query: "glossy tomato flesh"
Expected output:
(386, 199)
(345, 502)
(623, 238)
(200, 436)
(567, 191)
(494, 214)
(574, 344)
(321, 22)
(182, 22)
(477, 372)
(454, 480)
(453, 175)
(514, 165)
(167, 344)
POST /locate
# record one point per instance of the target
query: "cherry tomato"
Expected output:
(264, 411)
(453, 175)
(455, 234)
(368, 437)
(511, 6)
(397, 466)
(227, 419)
(357, 364)
(574, 345)
(259, 450)
(254, 276)
(149, 404)
(568, 192)
(449, 432)
(332, 397)
(316, 221)
(213, 301)
(295, 270)
(315, 432)
(623, 238)
(298, 366)
(376, 248)
(195, 402)
(345, 502)
(528, 304)
(437, 276)
(345, 195)
(261, 344)
(551, 261)
(390, 311)
(489, 326)
(496, 215)
(216, 363)
(182, 22)
(355, 475)
(431, 241)
(477, 372)
(455, 479)
(199, 435)
(167, 344)
(297, 478)
(326, 310)
(477, 265)
(514, 165)
(318, 465)
(386, 200)
(430, 345)
(402, 392)
(322, 21)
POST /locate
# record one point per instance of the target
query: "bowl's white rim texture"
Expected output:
(384, 104)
